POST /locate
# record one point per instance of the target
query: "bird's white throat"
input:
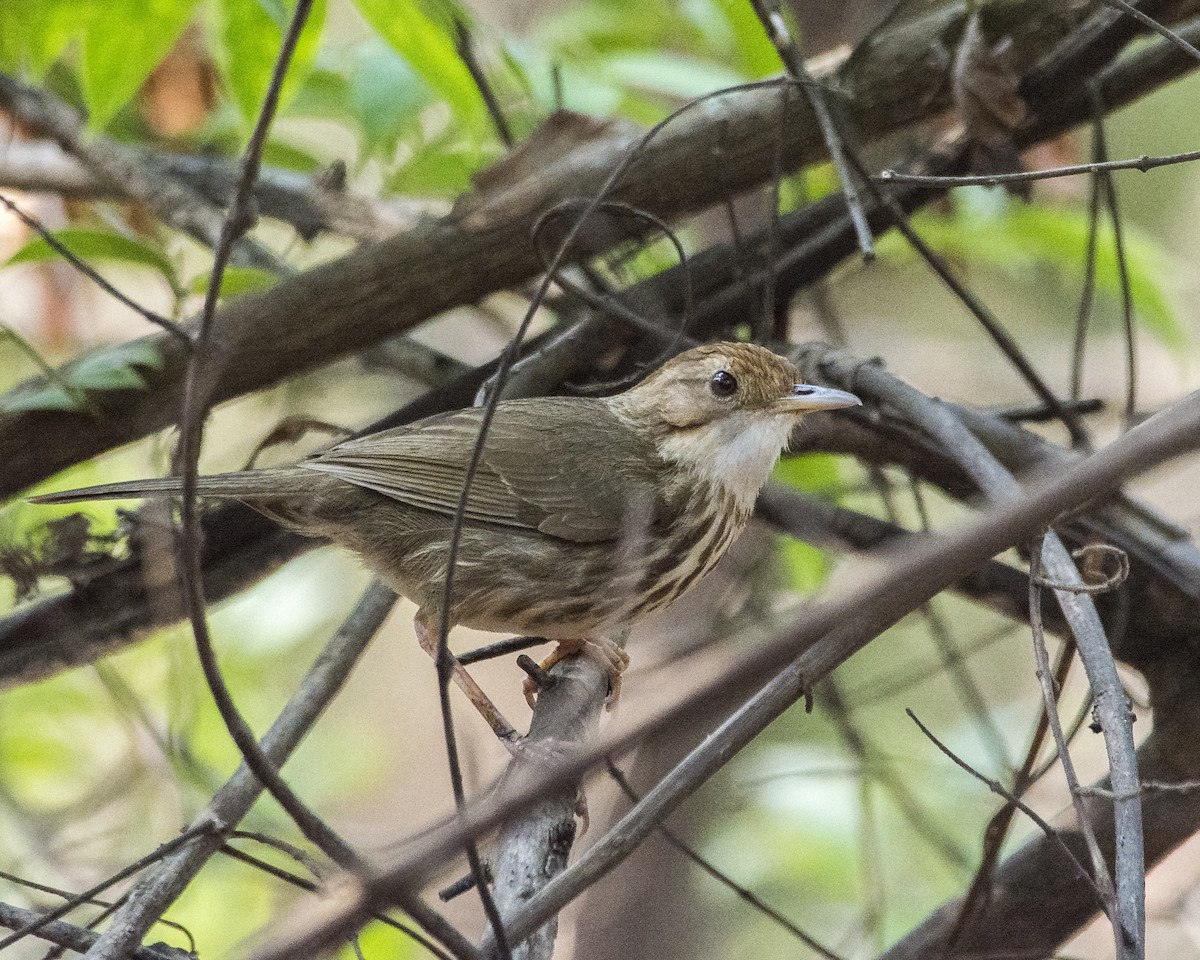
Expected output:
(736, 453)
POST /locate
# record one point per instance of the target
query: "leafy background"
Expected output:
(99, 764)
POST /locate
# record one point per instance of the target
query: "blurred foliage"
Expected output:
(100, 764)
(92, 245)
(1049, 241)
(119, 367)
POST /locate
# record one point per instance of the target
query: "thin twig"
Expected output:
(1148, 787)
(78, 939)
(721, 876)
(998, 827)
(1082, 714)
(287, 849)
(137, 866)
(776, 29)
(465, 46)
(875, 767)
(500, 648)
(58, 950)
(675, 338)
(1043, 414)
(1088, 295)
(1142, 163)
(1050, 702)
(998, 788)
(92, 901)
(304, 884)
(969, 693)
(1106, 583)
(1000, 336)
(238, 221)
(1128, 8)
(86, 269)
(1114, 214)
(879, 690)
(301, 200)
(769, 325)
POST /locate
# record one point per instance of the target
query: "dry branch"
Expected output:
(829, 632)
(533, 847)
(382, 290)
(79, 627)
(161, 885)
(303, 201)
(79, 939)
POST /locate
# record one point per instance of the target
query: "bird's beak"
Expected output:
(805, 397)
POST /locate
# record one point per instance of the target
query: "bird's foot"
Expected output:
(427, 637)
(603, 651)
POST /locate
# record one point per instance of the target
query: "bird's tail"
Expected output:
(249, 484)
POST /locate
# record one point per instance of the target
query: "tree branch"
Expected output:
(162, 885)
(382, 290)
(828, 631)
(533, 847)
(297, 199)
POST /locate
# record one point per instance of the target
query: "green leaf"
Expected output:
(251, 35)
(812, 473)
(591, 31)
(1013, 238)
(669, 73)
(238, 280)
(325, 94)
(276, 153)
(123, 40)
(441, 168)
(89, 245)
(34, 33)
(421, 34)
(806, 567)
(386, 95)
(752, 54)
(115, 368)
(582, 89)
(49, 372)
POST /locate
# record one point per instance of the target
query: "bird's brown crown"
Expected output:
(710, 382)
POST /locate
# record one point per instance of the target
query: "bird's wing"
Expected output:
(567, 467)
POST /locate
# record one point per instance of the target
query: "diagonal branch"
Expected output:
(162, 885)
(122, 169)
(388, 288)
(829, 632)
(305, 202)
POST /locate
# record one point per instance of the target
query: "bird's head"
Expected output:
(726, 411)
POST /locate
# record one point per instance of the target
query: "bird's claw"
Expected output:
(601, 650)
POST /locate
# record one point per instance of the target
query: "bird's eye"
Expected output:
(723, 384)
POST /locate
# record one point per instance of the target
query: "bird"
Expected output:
(584, 514)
